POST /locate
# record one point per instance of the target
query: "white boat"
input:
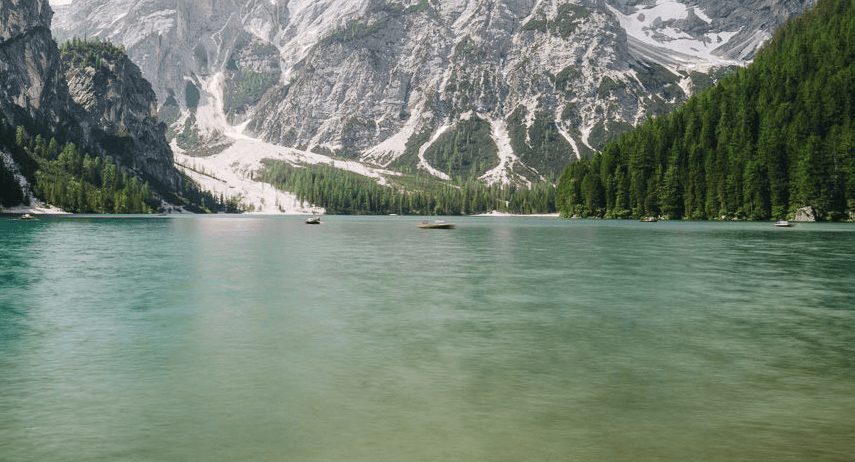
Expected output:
(27, 217)
(313, 220)
(783, 224)
(437, 224)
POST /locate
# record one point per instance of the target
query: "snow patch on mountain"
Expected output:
(653, 33)
(209, 114)
(394, 146)
(503, 173)
(231, 173)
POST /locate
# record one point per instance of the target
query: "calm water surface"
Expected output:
(366, 339)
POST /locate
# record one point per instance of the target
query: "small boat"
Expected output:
(437, 224)
(27, 217)
(783, 224)
(313, 220)
(648, 219)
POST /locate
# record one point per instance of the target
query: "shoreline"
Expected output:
(504, 214)
(32, 210)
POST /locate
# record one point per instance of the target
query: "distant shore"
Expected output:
(495, 213)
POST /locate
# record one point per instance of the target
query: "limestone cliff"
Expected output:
(33, 91)
(118, 108)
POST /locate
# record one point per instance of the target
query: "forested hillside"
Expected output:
(64, 176)
(109, 168)
(766, 141)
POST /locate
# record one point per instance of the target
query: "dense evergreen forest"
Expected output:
(70, 179)
(343, 192)
(767, 140)
(65, 176)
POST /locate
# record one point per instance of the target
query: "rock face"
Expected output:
(383, 80)
(103, 104)
(33, 90)
(19, 17)
(119, 110)
(805, 214)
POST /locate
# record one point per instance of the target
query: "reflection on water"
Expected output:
(365, 338)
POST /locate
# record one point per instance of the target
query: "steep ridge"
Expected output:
(119, 110)
(380, 81)
(89, 96)
(34, 92)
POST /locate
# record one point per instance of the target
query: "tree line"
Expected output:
(74, 181)
(93, 52)
(67, 177)
(343, 192)
(767, 140)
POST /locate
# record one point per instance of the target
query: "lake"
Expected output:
(255, 338)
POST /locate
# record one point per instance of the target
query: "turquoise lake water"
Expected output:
(366, 339)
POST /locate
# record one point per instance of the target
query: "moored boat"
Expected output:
(783, 224)
(437, 224)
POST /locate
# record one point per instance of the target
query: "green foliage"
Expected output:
(767, 140)
(540, 146)
(386, 12)
(170, 112)
(568, 18)
(540, 25)
(605, 131)
(465, 152)
(11, 193)
(342, 192)
(246, 88)
(354, 129)
(564, 80)
(704, 80)
(607, 87)
(654, 76)
(189, 137)
(355, 31)
(64, 176)
(409, 160)
(82, 53)
(423, 5)
(68, 178)
(359, 30)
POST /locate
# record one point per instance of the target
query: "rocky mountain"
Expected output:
(502, 90)
(33, 91)
(118, 109)
(88, 93)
